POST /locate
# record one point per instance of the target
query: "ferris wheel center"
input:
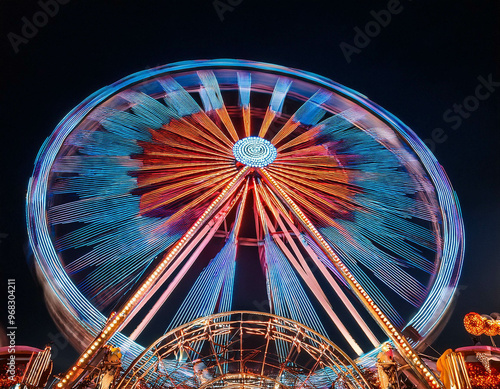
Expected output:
(254, 151)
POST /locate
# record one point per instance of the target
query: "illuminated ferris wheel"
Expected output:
(228, 184)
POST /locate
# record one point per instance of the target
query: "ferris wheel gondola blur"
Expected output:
(310, 164)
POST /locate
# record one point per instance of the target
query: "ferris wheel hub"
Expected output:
(254, 151)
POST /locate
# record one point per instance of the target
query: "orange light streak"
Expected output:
(188, 156)
(268, 118)
(306, 160)
(152, 200)
(193, 171)
(286, 130)
(205, 178)
(172, 143)
(183, 127)
(222, 112)
(304, 271)
(247, 121)
(239, 212)
(192, 165)
(206, 233)
(319, 213)
(309, 150)
(338, 190)
(334, 173)
(305, 137)
(203, 119)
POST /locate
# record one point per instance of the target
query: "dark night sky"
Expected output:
(426, 59)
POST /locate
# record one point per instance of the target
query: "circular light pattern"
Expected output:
(254, 151)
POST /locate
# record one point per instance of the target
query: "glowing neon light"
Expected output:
(254, 151)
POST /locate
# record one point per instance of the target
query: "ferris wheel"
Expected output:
(232, 184)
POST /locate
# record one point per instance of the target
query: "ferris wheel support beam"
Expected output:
(400, 342)
(315, 288)
(116, 319)
(271, 200)
(333, 283)
(304, 270)
(310, 281)
(206, 234)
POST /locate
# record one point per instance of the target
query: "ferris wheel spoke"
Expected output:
(385, 268)
(207, 234)
(373, 291)
(277, 216)
(339, 122)
(212, 100)
(185, 105)
(165, 141)
(309, 114)
(341, 194)
(307, 150)
(393, 231)
(113, 249)
(244, 87)
(190, 209)
(188, 129)
(148, 118)
(316, 208)
(159, 175)
(117, 319)
(336, 184)
(184, 156)
(320, 161)
(161, 197)
(212, 289)
(390, 271)
(276, 104)
(167, 165)
(204, 176)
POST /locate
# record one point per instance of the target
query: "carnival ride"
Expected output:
(220, 182)
(243, 349)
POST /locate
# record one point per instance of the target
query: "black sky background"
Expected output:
(427, 58)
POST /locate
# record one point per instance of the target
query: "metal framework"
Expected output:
(243, 349)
